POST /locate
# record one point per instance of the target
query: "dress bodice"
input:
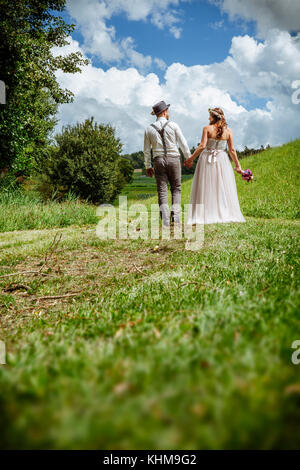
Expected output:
(214, 144)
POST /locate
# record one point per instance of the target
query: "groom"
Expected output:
(165, 137)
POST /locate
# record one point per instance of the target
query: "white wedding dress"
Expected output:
(214, 195)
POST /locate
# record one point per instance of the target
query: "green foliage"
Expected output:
(23, 163)
(40, 184)
(86, 160)
(29, 30)
(247, 152)
(136, 159)
(126, 170)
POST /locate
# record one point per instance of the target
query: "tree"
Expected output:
(136, 159)
(86, 161)
(29, 30)
(126, 170)
(247, 152)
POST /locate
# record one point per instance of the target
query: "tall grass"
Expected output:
(24, 211)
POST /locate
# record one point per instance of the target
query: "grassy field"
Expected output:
(22, 211)
(131, 344)
(274, 194)
(143, 188)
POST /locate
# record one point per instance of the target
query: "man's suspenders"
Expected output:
(161, 133)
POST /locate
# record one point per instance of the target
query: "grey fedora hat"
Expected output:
(159, 107)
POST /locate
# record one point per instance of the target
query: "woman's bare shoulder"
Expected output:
(208, 129)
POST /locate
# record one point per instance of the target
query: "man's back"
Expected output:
(173, 137)
(164, 137)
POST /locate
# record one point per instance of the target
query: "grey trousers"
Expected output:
(168, 170)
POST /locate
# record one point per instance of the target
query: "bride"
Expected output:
(214, 195)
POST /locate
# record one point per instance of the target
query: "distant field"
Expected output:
(143, 188)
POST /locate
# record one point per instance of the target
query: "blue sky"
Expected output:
(206, 35)
(206, 38)
(201, 41)
(241, 55)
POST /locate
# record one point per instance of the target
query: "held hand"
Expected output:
(189, 162)
(150, 172)
(239, 170)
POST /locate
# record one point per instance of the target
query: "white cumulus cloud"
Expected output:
(266, 69)
(269, 14)
(100, 39)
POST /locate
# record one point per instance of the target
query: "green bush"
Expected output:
(127, 170)
(86, 161)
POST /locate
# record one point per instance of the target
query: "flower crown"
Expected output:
(215, 113)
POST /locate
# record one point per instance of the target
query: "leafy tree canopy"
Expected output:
(30, 29)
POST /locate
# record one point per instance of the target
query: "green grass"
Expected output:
(275, 191)
(159, 347)
(143, 188)
(26, 211)
(274, 194)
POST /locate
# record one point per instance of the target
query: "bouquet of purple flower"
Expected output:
(247, 175)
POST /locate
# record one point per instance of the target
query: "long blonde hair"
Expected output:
(219, 119)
